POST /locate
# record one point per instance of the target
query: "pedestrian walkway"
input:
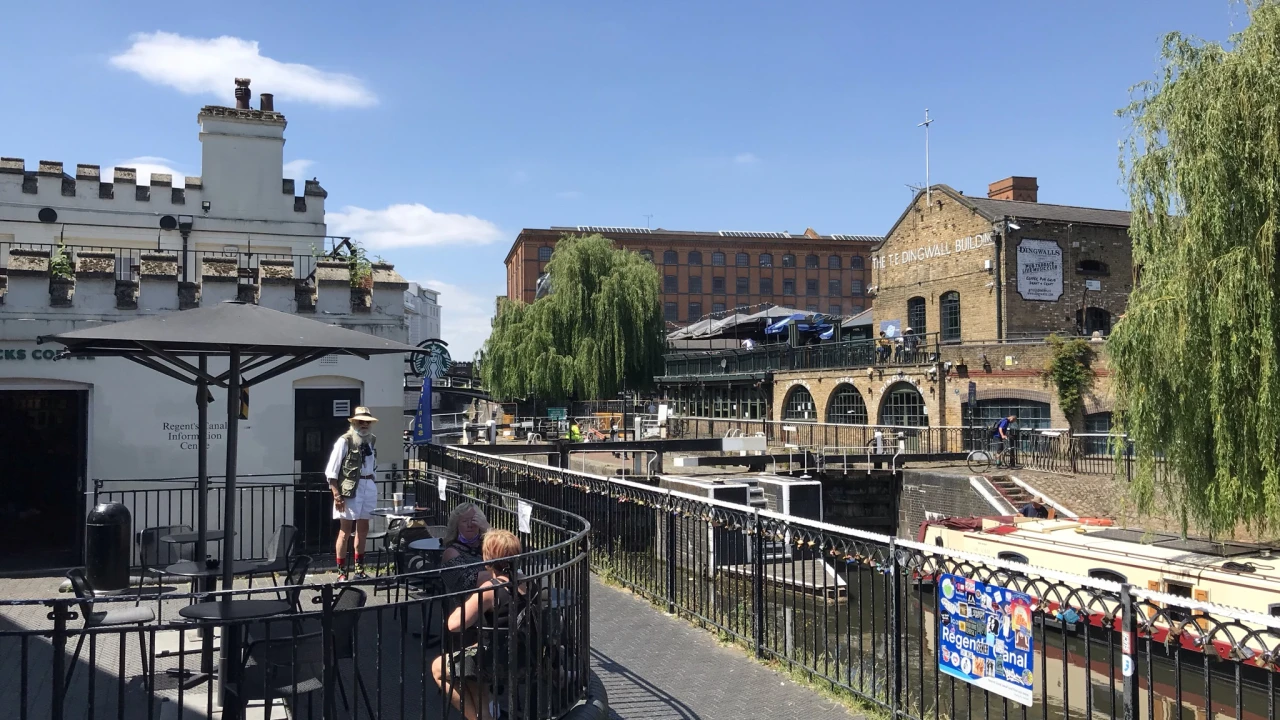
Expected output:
(657, 667)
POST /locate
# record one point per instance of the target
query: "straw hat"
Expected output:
(362, 413)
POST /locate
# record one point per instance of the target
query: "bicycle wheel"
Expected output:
(1006, 458)
(979, 461)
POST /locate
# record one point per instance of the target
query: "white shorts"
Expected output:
(360, 506)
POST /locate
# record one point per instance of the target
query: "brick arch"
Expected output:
(887, 395)
(831, 416)
(792, 391)
(1015, 394)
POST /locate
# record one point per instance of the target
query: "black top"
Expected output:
(234, 609)
(191, 537)
(406, 513)
(191, 568)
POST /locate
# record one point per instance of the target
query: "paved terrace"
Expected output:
(654, 667)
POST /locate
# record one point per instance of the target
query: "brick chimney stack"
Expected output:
(242, 93)
(1023, 189)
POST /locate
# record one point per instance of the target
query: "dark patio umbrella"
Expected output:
(260, 344)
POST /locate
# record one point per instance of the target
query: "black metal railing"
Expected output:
(128, 260)
(914, 350)
(861, 612)
(831, 436)
(377, 648)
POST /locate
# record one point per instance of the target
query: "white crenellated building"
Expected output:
(78, 249)
(422, 313)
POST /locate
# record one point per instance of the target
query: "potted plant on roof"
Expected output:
(62, 279)
(361, 278)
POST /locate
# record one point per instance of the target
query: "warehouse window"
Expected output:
(855, 288)
(811, 287)
(949, 316)
(695, 311)
(915, 315)
(903, 406)
(833, 262)
(695, 284)
(669, 257)
(647, 255)
(799, 405)
(717, 308)
(811, 261)
(766, 286)
(788, 287)
(695, 258)
(766, 260)
(742, 260)
(855, 262)
(847, 407)
(833, 287)
(544, 254)
(717, 259)
(717, 285)
(669, 284)
(669, 312)
(741, 285)
(788, 260)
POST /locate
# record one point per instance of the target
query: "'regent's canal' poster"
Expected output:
(984, 636)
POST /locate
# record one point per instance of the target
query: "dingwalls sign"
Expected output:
(1039, 270)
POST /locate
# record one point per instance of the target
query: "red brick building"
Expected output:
(711, 272)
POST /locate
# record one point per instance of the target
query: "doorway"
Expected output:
(43, 437)
(319, 419)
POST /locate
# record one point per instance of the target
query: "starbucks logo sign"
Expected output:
(435, 362)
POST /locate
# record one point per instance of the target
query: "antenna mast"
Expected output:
(928, 195)
(647, 218)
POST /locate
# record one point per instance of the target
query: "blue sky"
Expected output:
(441, 129)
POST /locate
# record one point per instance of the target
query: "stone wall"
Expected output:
(925, 493)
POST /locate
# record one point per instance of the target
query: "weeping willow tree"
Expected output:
(1195, 356)
(598, 331)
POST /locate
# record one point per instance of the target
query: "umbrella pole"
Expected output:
(229, 502)
(202, 463)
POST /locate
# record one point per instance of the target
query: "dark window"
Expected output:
(742, 285)
(788, 287)
(669, 284)
(766, 260)
(915, 315)
(799, 405)
(855, 262)
(1031, 414)
(647, 255)
(834, 310)
(669, 312)
(811, 261)
(695, 311)
(788, 260)
(1013, 557)
(669, 257)
(1109, 575)
(903, 406)
(811, 287)
(949, 316)
(742, 260)
(833, 287)
(855, 288)
(855, 309)
(1094, 319)
(1273, 609)
(695, 258)
(695, 284)
(1182, 590)
(811, 307)
(717, 308)
(544, 254)
(766, 286)
(1097, 434)
(847, 407)
(717, 285)
(833, 262)
(1092, 267)
(717, 259)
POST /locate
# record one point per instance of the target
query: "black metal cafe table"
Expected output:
(188, 538)
(207, 579)
(230, 611)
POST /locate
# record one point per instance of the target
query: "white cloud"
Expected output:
(745, 158)
(414, 225)
(295, 169)
(145, 165)
(464, 318)
(198, 66)
(569, 195)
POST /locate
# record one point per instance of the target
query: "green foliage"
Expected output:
(60, 263)
(1195, 356)
(598, 331)
(1070, 372)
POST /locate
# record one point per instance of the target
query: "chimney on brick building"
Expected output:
(242, 93)
(1023, 189)
(267, 102)
(811, 233)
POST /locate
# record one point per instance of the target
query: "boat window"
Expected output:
(1014, 557)
(1110, 575)
(1178, 589)
(1273, 609)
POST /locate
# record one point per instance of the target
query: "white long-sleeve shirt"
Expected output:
(333, 471)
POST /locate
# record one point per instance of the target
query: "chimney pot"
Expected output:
(267, 102)
(242, 93)
(1023, 189)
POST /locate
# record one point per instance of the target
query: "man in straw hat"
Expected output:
(350, 473)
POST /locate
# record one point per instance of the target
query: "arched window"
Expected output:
(903, 406)
(647, 255)
(833, 262)
(1092, 267)
(669, 257)
(799, 405)
(695, 257)
(742, 260)
(1032, 414)
(788, 260)
(949, 316)
(855, 262)
(544, 254)
(717, 259)
(846, 407)
(811, 261)
(916, 316)
(766, 260)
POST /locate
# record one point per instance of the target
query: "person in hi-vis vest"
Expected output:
(350, 472)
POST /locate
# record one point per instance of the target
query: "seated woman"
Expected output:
(498, 600)
(465, 531)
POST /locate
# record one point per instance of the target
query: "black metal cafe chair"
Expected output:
(117, 616)
(279, 554)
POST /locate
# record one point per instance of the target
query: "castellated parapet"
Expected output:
(41, 284)
(50, 185)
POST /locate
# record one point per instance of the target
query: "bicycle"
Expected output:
(979, 461)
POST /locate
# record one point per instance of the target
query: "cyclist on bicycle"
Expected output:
(1000, 433)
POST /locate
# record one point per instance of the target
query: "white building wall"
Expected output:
(422, 313)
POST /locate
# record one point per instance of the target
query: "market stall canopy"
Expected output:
(861, 319)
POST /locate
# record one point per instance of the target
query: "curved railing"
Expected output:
(378, 648)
